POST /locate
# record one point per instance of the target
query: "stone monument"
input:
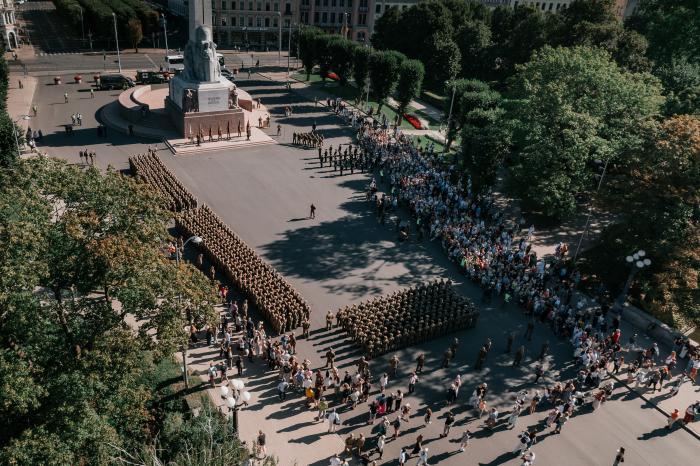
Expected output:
(200, 99)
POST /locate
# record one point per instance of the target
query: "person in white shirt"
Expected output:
(333, 421)
(423, 457)
(383, 381)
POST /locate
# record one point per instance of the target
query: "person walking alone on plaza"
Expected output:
(412, 382)
(449, 420)
(620, 457)
(333, 421)
(464, 441)
(65, 97)
(262, 449)
(312, 211)
(403, 457)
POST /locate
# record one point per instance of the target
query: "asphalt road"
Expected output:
(145, 59)
(344, 256)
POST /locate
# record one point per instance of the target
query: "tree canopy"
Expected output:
(80, 251)
(573, 106)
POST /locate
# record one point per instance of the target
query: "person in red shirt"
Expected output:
(616, 336)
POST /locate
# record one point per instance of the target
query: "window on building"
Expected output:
(333, 18)
(276, 7)
(259, 21)
(287, 8)
(342, 3)
(349, 3)
(324, 18)
(267, 7)
(233, 21)
(317, 3)
(551, 5)
(250, 21)
(233, 5)
(361, 36)
(316, 15)
(544, 5)
(267, 22)
(362, 19)
(223, 4)
(325, 2)
(333, 3)
(275, 21)
(558, 5)
(241, 21)
(378, 8)
(259, 6)
(250, 6)
(286, 23)
(223, 21)
(363, 3)
(515, 4)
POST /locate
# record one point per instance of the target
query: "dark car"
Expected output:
(115, 81)
(151, 77)
(226, 73)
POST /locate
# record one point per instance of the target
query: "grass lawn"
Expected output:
(171, 394)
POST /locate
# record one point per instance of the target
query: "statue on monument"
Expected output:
(201, 64)
(233, 97)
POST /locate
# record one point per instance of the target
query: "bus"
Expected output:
(176, 63)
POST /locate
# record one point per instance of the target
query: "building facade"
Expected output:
(258, 24)
(7, 22)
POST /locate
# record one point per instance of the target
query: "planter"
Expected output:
(415, 122)
(57, 80)
(78, 79)
(96, 78)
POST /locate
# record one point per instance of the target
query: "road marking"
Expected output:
(152, 62)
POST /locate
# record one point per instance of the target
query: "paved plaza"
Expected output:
(344, 256)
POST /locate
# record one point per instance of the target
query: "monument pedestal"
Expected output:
(194, 105)
(184, 122)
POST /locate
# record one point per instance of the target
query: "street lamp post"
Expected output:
(196, 240)
(279, 39)
(82, 27)
(590, 211)
(449, 116)
(14, 131)
(289, 50)
(235, 396)
(637, 262)
(165, 31)
(116, 38)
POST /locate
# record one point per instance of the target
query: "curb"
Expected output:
(656, 406)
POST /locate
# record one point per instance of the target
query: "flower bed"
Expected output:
(415, 122)
(333, 76)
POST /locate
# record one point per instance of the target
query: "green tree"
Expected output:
(657, 209)
(307, 49)
(341, 52)
(486, 141)
(474, 41)
(469, 95)
(360, 67)
(324, 57)
(444, 59)
(135, 33)
(384, 73)
(681, 80)
(80, 253)
(573, 106)
(387, 30)
(411, 74)
(671, 27)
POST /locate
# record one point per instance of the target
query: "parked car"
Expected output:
(115, 81)
(151, 77)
